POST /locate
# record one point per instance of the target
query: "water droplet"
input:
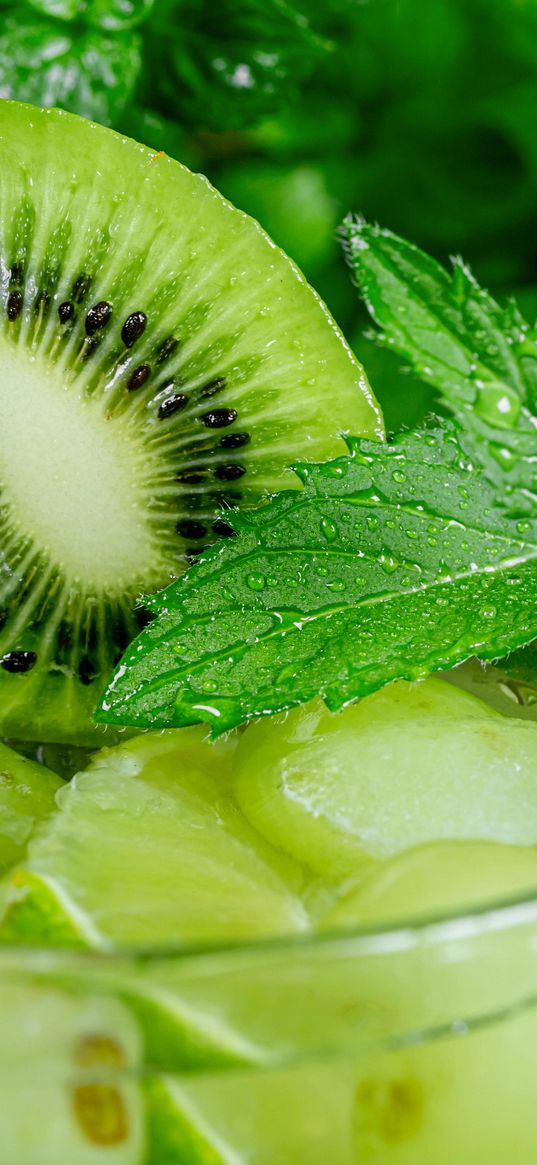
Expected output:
(373, 523)
(388, 563)
(489, 612)
(322, 571)
(523, 527)
(412, 533)
(432, 541)
(399, 476)
(329, 529)
(498, 404)
(209, 686)
(256, 582)
(337, 584)
(334, 469)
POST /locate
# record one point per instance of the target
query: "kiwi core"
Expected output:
(72, 480)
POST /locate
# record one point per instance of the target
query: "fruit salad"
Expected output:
(268, 688)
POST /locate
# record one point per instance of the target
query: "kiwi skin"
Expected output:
(162, 361)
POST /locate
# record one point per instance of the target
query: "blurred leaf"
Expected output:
(62, 9)
(88, 73)
(294, 205)
(237, 61)
(108, 14)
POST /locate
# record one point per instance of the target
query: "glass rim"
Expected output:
(411, 931)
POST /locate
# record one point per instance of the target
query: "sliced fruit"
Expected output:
(69, 1089)
(431, 880)
(178, 364)
(300, 1116)
(148, 849)
(467, 1098)
(27, 792)
(411, 764)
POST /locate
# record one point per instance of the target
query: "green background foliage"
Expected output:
(419, 115)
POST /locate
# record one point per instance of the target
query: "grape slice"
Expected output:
(410, 765)
(69, 1089)
(148, 849)
(436, 879)
(27, 793)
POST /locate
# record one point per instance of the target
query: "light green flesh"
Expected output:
(147, 849)
(88, 470)
(435, 879)
(296, 1116)
(27, 793)
(412, 764)
(69, 1092)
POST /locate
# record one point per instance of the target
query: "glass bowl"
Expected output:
(415, 1045)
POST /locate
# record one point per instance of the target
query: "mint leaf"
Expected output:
(89, 72)
(396, 561)
(481, 358)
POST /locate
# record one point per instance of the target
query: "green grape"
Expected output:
(409, 765)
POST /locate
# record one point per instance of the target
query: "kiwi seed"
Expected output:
(139, 377)
(219, 418)
(133, 328)
(97, 317)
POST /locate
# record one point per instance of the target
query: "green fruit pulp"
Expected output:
(27, 795)
(411, 764)
(145, 326)
(148, 850)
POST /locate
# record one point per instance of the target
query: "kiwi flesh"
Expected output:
(160, 361)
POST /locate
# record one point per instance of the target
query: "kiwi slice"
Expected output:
(161, 362)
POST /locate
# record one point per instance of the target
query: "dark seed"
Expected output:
(42, 301)
(191, 477)
(14, 305)
(98, 316)
(213, 387)
(17, 273)
(133, 327)
(81, 287)
(172, 405)
(219, 418)
(66, 311)
(138, 377)
(188, 528)
(229, 472)
(18, 661)
(166, 349)
(223, 529)
(86, 670)
(234, 440)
